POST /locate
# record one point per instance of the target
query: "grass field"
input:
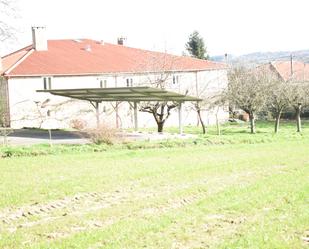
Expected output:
(234, 191)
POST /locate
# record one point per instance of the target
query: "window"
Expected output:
(129, 82)
(103, 83)
(175, 79)
(47, 83)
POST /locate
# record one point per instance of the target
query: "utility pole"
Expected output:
(225, 58)
(291, 61)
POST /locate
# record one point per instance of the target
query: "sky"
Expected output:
(227, 26)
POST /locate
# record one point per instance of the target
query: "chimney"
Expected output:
(120, 40)
(39, 39)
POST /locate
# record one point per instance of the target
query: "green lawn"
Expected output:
(234, 191)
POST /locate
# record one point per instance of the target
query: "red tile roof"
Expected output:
(82, 57)
(11, 59)
(299, 73)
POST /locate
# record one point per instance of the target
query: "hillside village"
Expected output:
(119, 128)
(81, 63)
(65, 64)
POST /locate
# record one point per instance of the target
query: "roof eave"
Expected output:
(110, 73)
(6, 73)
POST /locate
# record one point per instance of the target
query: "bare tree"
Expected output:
(160, 70)
(283, 93)
(198, 109)
(212, 93)
(213, 101)
(277, 100)
(3, 108)
(160, 110)
(2, 114)
(297, 95)
(4, 130)
(45, 110)
(247, 91)
(220, 101)
(198, 106)
(7, 13)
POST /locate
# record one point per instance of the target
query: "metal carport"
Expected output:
(130, 94)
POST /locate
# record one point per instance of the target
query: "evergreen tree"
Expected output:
(196, 46)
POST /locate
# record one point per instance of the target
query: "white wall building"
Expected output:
(68, 64)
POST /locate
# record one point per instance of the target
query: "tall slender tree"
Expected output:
(196, 46)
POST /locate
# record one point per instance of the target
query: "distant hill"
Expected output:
(264, 57)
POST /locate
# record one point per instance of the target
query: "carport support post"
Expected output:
(135, 116)
(180, 117)
(97, 113)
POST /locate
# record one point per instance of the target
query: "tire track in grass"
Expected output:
(229, 224)
(83, 204)
(79, 204)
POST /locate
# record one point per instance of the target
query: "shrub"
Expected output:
(78, 124)
(104, 134)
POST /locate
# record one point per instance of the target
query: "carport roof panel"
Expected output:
(121, 94)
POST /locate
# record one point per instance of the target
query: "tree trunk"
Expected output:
(201, 120)
(277, 123)
(160, 126)
(218, 123)
(252, 123)
(298, 120)
(218, 127)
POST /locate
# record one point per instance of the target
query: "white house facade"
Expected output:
(69, 64)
